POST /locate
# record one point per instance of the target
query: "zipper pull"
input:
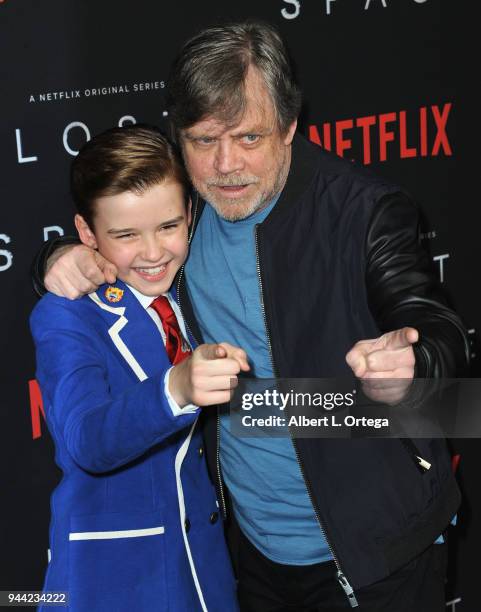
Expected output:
(423, 463)
(347, 588)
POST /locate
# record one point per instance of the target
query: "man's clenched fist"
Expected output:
(385, 365)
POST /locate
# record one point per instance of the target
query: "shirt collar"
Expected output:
(145, 300)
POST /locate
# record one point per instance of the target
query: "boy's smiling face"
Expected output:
(144, 235)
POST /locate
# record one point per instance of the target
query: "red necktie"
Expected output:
(173, 335)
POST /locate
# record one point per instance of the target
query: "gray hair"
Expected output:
(208, 76)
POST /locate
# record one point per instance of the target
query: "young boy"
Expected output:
(135, 522)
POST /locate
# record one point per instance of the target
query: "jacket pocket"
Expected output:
(412, 450)
(113, 535)
(117, 562)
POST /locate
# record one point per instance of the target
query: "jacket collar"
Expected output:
(132, 331)
(303, 169)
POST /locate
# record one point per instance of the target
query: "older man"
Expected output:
(299, 256)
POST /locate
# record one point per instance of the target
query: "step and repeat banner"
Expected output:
(381, 87)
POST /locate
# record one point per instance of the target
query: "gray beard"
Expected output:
(257, 204)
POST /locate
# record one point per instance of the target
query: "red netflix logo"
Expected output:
(36, 408)
(426, 126)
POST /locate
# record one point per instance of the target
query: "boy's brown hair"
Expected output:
(131, 158)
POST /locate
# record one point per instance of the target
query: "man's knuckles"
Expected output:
(93, 273)
(390, 359)
(71, 294)
(352, 358)
(85, 286)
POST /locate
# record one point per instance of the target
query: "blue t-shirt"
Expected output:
(268, 492)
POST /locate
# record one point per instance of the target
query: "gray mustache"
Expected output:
(234, 181)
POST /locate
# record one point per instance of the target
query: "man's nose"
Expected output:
(228, 158)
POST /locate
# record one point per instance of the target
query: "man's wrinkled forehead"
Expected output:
(253, 109)
(257, 119)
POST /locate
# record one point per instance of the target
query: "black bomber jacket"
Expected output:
(341, 251)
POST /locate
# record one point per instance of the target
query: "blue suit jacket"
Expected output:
(135, 523)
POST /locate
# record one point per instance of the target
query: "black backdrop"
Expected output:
(381, 86)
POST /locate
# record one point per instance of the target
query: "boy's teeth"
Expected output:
(152, 271)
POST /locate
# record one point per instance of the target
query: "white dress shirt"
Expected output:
(146, 301)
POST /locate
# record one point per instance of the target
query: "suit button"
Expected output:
(201, 451)
(187, 525)
(213, 517)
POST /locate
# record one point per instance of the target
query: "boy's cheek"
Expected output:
(181, 247)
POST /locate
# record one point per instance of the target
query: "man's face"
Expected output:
(239, 169)
(144, 235)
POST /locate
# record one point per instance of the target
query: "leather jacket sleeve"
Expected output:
(403, 290)
(40, 260)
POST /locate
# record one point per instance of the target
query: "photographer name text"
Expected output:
(304, 421)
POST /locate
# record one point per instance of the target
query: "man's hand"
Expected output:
(385, 365)
(208, 376)
(73, 271)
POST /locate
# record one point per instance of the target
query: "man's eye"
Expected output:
(169, 227)
(251, 138)
(125, 235)
(205, 140)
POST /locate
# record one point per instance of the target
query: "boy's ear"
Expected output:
(189, 212)
(85, 233)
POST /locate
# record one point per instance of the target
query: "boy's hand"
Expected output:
(73, 271)
(208, 376)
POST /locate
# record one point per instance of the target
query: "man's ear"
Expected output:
(189, 212)
(289, 135)
(85, 233)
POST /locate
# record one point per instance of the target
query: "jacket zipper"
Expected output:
(341, 577)
(421, 464)
(220, 484)
(181, 273)
(217, 466)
